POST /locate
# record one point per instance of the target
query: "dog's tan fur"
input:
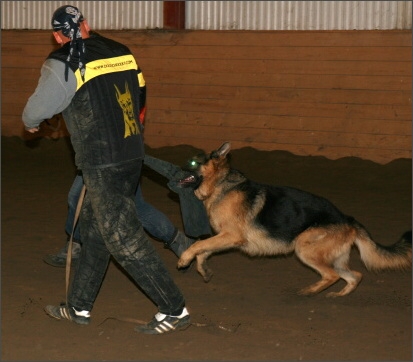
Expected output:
(326, 249)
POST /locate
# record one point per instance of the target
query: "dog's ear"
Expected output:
(224, 149)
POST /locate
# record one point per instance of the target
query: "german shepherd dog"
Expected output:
(263, 220)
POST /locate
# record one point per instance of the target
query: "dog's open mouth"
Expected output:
(187, 180)
(191, 180)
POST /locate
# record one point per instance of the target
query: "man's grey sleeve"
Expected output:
(52, 95)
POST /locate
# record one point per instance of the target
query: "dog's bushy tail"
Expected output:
(375, 257)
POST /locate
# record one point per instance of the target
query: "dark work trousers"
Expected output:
(155, 222)
(109, 225)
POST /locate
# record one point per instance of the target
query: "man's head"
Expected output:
(69, 25)
(67, 18)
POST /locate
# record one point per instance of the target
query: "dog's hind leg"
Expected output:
(327, 250)
(328, 278)
(314, 248)
(352, 277)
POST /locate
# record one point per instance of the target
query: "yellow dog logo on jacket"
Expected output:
(125, 102)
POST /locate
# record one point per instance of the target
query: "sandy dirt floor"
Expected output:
(248, 311)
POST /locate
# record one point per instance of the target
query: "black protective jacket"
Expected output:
(103, 117)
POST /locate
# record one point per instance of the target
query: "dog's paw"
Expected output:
(181, 264)
(306, 292)
(184, 261)
(206, 275)
(202, 267)
(205, 272)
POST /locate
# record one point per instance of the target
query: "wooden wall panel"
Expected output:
(326, 93)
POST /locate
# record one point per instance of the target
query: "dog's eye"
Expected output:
(193, 164)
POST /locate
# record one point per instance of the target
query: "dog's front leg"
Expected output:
(188, 255)
(202, 266)
(202, 249)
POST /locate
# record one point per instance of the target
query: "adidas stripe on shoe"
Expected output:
(64, 312)
(163, 323)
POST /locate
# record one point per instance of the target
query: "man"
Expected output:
(94, 82)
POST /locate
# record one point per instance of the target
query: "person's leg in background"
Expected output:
(59, 259)
(158, 225)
